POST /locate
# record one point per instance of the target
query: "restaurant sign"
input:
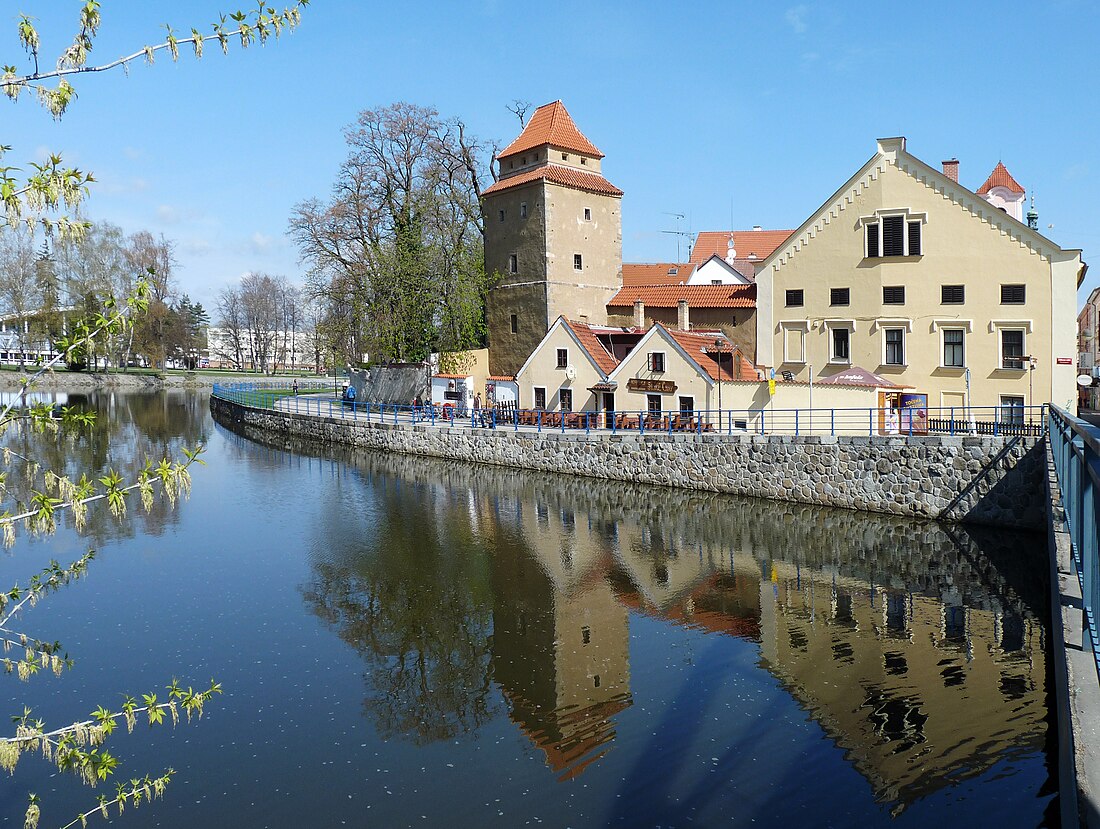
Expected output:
(642, 384)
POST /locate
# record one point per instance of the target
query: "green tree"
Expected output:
(38, 199)
(398, 247)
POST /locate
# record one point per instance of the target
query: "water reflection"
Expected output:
(918, 649)
(129, 429)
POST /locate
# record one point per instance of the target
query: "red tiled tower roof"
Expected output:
(1000, 177)
(551, 124)
(762, 243)
(566, 176)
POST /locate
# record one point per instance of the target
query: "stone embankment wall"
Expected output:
(985, 480)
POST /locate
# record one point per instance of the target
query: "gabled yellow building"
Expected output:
(929, 284)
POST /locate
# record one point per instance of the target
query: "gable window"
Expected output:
(1012, 348)
(893, 295)
(657, 361)
(895, 346)
(513, 321)
(563, 357)
(840, 344)
(1013, 294)
(565, 399)
(954, 355)
(513, 263)
(893, 236)
(523, 210)
(839, 296)
(952, 294)
(588, 214)
(577, 262)
(795, 298)
(540, 398)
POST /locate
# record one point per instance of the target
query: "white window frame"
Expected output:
(904, 346)
(943, 345)
(794, 325)
(664, 362)
(907, 217)
(563, 390)
(558, 358)
(578, 262)
(1002, 408)
(998, 326)
(830, 325)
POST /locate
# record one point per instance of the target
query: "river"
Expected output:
(409, 642)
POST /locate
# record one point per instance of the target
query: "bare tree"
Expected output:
(398, 248)
(19, 294)
(230, 346)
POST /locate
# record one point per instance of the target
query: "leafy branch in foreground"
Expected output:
(76, 748)
(53, 186)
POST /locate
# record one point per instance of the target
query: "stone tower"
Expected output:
(553, 236)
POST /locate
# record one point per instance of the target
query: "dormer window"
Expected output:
(583, 160)
(565, 156)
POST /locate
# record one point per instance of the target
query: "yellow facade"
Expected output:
(542, 371)
(964, 241)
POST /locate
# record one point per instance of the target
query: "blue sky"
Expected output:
(750, 112)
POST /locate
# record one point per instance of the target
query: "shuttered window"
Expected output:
(952, 294)
(893, 295)
(893, 236)
(914, 238)
(1013, 295)
(839, 296)
(795, 298)
(872, 240)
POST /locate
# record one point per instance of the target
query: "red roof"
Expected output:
(566, 176)
(656, 273)
(759, 242)
(697, 296)
(700, 346)
(500, 378)
(591, 343)
(1000, 177)
(551, 124)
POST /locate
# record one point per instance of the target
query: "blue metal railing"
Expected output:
(1075, 446)
(989, 420)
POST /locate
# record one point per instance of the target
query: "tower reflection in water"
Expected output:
(917, 648)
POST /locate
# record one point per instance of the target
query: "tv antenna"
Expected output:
(679, 233)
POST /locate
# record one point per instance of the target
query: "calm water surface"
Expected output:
(407, 642)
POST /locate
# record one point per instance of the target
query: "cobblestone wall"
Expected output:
(985, 480)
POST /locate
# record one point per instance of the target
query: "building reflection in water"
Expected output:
(918, 649)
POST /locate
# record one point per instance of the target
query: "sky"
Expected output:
(731, 114)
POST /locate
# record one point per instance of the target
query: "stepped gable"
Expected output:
(551, 124)
(697, 296)
(566, 176)
(1000, 177)
(761, 243)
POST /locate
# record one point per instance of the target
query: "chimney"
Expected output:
(951, 169)
(682, 321)
(757, 228)
(639, 314)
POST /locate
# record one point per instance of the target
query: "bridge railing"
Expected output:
(1075, 446)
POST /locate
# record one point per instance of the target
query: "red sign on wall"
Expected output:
(1065, 361)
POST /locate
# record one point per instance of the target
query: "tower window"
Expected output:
(501, 215)
(577, 264)
(565, 156)
(514, 322)
(513, 263)
(588, 214)
(584, 160)
(523, 210)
